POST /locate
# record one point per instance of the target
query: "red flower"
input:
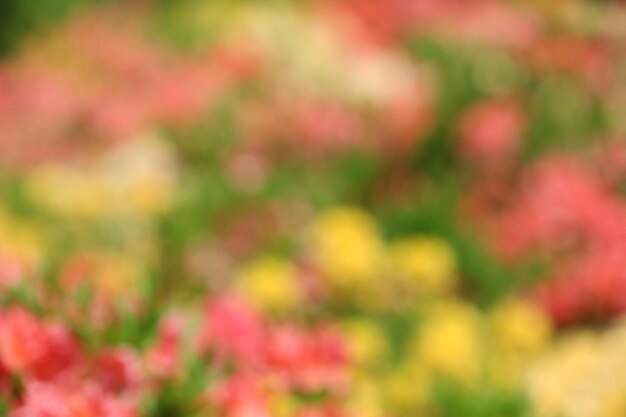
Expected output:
(41, 350)
(119, 369)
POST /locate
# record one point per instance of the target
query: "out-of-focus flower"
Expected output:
(109, 274)
(11, 271)
(346, 246)
(366, 399)
(270, 284)
(137, 179)
(336, 94)
(425, 264)
(115, 86)
(164, 358)
(119, 370)
(35, 348)
(449, 342)
(310, 361)
(22, 339)
(487, 22)
(583, 375)
(518, 330)
(55, 401)
(520, 325)
(21, 249)
(241, 396)
(284, 405)
(408, 387)
(564, 210)
(491, 131)
(230, 327)
(366, 342)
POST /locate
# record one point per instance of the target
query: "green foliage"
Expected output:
(20, 17)
(455, 401)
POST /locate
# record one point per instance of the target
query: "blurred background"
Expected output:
(314, 208)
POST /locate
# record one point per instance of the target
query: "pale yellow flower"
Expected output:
(427, 264)
(365, 399)
(20, 241)
(283, 405)
(504, 369)
(583, 375)
(408, 388)
(137, 179)
(366, 342)
(520, 325)
(67, 191)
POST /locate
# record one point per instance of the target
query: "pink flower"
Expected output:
(231, 328)
(48, 400)
(11, 271)
(310, 361)
(119, 370)
(164, 357)
(491, 131)
(241, 396)
(22, 339)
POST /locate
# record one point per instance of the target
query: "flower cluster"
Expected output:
(582, 375)
(347, 267)
(234, 362)
(566, 212)
(335, 208)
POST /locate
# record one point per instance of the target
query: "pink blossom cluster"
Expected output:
(564, 212)
(46, 371)
(482, 21)
(281, 360)
(246, 364)
(99, 81)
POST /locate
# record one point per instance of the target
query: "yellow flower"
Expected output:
(365, 399)
(449, 342)
(149, 195)
(504, 369)
(611, 404)
(425, 263)
(270, 284)
(283, 405)
(366, 342)
(69, 192)
(347, 247)
(19, 241)
(520, 325)
(407, 389)
(137, 179)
